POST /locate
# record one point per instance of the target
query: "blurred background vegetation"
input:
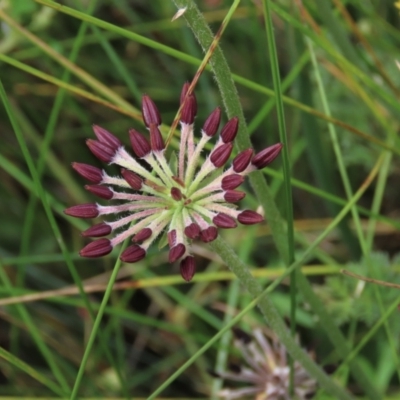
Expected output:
(62, 74)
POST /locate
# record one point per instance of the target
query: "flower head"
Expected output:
(189, 203)
(267, 375)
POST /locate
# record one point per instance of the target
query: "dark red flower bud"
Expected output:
(150, 112)
(242, 160)
(139, 143)
(224, 221)
(97, 230)
(171, 235)
(176, 252)
(92, 174)
(176, 194)
(189, 110)
(106, 137)
(211, 125)
(88, 210)
(142, 235)
(133, 180)
(101, 150)
(98, 248)
(233, 196)
(266, 156)
(209, 234)
(249, 217)
(221, 154)
(231, 182)
(156, 140)
(188, 268)
(192, 231)
(229, 131)
(184, 91)
(102, 191)
(133, 253)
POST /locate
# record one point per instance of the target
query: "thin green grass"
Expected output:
(330, 200)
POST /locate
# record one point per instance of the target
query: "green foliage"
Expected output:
(65, 331)
(348, 300)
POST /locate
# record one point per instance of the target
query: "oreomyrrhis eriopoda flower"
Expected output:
(188, 203)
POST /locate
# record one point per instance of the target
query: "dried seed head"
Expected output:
(150, 113)
(188, 268)
(133, 253)
(92, 174)
(229, 131)
(266, 156)
(211, 124)
(242, 160)
(139, 143)
(88, 210)
(98, 230)
(97, 248)
(102, 191)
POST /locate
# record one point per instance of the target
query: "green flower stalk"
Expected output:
(190, 203)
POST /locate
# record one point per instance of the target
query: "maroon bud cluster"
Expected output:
(189, 198)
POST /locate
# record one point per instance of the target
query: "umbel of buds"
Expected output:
(188, 203)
